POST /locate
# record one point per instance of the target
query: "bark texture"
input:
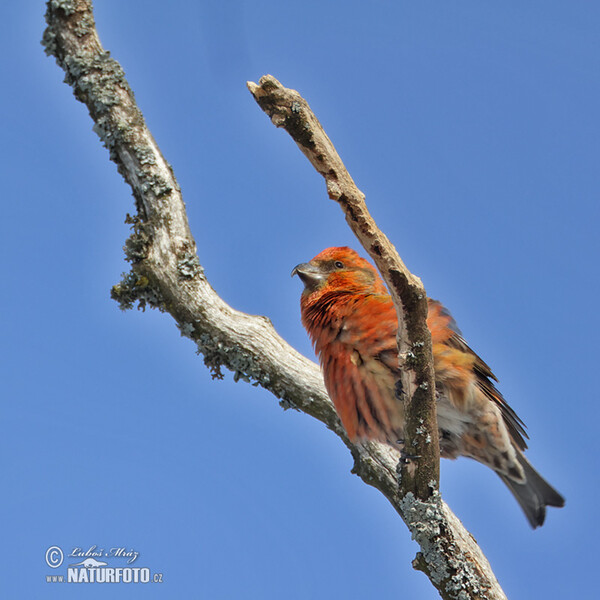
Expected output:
(166, 274)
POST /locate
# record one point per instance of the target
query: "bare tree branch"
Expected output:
(166, 274)
(289, 110)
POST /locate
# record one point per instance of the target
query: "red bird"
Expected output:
(352, 323)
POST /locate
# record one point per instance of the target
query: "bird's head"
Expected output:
(338, 269)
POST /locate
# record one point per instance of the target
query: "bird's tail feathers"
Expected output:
(533, 495)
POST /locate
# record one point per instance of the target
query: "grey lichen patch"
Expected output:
(133, 289)
(156, 184)
(244, 366)
(187, 329)
(137, 245)
(59, 9)
(85, 25)
(210, 348)
(188, 266)
(446, 565)
(97, 80)
(102, 78)
(67, 6)
(424, 520)
(145, 155)
(49, 42)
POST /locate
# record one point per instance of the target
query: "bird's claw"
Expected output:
(405, 457)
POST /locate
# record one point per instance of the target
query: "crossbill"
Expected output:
(352, 322)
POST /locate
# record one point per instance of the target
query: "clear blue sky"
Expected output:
(473, 129)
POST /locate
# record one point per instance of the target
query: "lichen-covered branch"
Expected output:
(166, 274)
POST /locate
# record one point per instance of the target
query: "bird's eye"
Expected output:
(338, 264)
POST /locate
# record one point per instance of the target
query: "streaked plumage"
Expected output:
(351, 320)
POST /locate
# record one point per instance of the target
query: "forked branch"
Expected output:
(166, 274)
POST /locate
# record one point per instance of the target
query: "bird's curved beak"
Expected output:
(310, 275)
